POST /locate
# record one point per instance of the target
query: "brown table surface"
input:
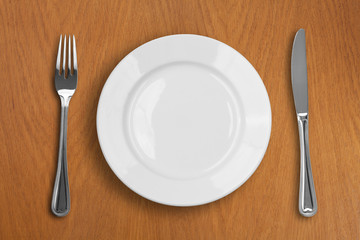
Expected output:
(102, 206)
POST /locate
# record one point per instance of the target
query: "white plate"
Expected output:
(184, 120)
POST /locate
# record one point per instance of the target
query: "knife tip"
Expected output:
(301, 31)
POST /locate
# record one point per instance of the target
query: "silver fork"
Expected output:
(65, 86)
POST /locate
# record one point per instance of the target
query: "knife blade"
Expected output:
(299, 73)
(307, 196)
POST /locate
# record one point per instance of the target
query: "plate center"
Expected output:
(183, 120)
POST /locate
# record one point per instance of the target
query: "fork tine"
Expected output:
(69, 57)
(58, 56)
(74, 55)
(64, 56)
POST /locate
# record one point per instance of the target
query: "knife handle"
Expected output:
(307, 196)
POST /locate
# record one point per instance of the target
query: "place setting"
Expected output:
(183, 120)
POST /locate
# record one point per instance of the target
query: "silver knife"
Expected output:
(307, 197)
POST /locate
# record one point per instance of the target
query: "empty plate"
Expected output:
(184, 120)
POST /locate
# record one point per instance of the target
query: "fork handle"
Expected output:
(60, 205)
(307, 196)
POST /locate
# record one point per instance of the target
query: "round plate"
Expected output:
(184, 120)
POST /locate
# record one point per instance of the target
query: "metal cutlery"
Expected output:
(65, 84)
(307, 196)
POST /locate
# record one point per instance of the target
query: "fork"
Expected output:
(65, 84)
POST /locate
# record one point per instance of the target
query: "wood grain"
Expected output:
(102, 207)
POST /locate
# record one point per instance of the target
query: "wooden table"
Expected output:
(265, 207)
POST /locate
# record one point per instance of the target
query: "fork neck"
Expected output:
(65, 96)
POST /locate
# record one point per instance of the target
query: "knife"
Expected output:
(307, 197)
